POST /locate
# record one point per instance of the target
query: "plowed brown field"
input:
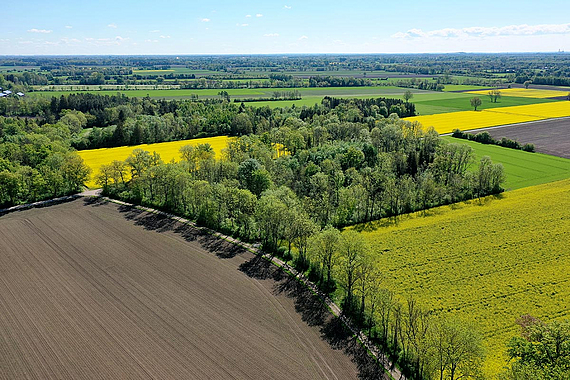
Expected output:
(93, 290)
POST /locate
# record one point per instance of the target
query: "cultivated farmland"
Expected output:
(487, 261)
(467, 120)
(168, 151)
(548, 136)
(93, 290)
(524, 93)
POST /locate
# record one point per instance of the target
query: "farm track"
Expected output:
(90, 289)
(548, 136)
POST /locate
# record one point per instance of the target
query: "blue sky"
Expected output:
(291, 26)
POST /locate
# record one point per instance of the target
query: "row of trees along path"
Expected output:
(333, 307)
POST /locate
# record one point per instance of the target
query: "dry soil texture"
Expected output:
(548, 136)
(94, 290)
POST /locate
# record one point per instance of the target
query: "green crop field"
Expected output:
(461, 102)
(176, 70)
(332, 73)
(522, 169)
(317, 93)
(427, 102)
(18, 68)
(462, 87)
(166, 94)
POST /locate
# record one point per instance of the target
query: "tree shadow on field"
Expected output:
(162, 223)
(314, 312)
(309, 305)
(261, 269)
(94, 201)
(340, 337)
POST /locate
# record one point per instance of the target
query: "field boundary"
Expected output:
(508, 125)
(389, 367)
(47, 202)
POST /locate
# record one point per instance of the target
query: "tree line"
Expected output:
(37, 163)
(120, 120)
(485, 138)
(292, 202)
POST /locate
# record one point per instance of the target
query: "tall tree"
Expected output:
(458, 350)
(475, 102)
(324, 247)
(541, 352)
(351, 252)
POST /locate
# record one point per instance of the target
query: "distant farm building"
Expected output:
(6, 93)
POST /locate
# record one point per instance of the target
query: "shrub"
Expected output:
(528, 148)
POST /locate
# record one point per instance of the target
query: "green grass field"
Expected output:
(427, 102)
(18, 68)
(462, 87)
(335, 73)
(317, 93)
(522, 169)
(176, 70)
(461, 102)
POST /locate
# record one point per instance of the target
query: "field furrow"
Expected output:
(89, 292)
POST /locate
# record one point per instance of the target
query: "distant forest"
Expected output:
(286, 71)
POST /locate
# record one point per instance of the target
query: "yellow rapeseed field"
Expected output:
(524, 93)
(94, 158)
(466, 120)
(488, 261)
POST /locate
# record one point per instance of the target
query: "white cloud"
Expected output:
(271, 35)
(66, 40)
(164, 36)
(44, 31)
(106, 41)
(287, 7)
(258, 15)
(113, 26)
(205, 20)
(68, 27)
(242, 25)
(479, 31)
(303, 38)
(154, 31)
(247, 16)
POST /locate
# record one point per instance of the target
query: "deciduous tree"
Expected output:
(475, 102)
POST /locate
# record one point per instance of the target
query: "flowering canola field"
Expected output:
(466, 120)
(524, 93)
(94, 158)
(488, 261)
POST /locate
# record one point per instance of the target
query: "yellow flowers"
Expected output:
(488, 261)
(524, 93)
(466, 120)
(94, 158)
